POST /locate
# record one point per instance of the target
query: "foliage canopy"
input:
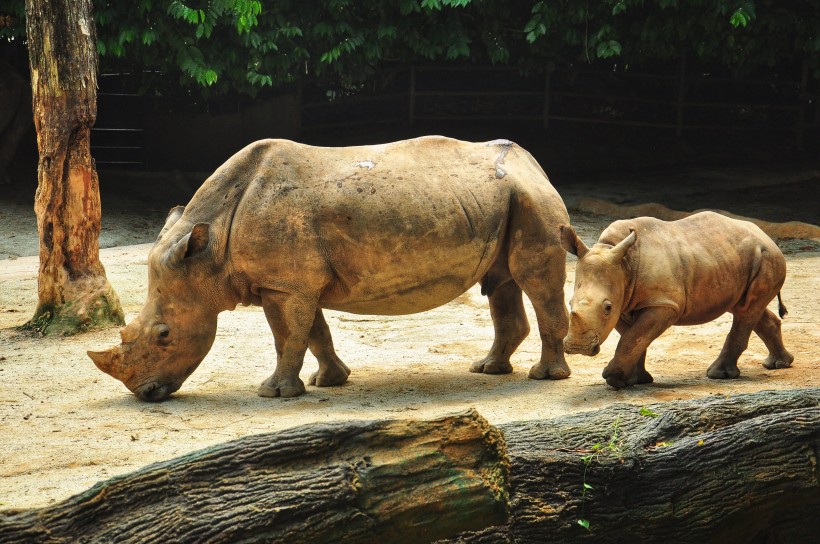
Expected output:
(223, 47)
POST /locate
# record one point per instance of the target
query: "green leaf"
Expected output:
(587, 486)
(647, 412)
(584, 523)
(210, 77)
(386, 32)
(743, 15)
(101, 47)
(608, 49)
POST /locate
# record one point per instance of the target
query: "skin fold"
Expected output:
(645, 275)
(385, 229)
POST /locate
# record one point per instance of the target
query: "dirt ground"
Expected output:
(65, 425)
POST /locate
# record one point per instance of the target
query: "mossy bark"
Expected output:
(739, 469)
(73, 291)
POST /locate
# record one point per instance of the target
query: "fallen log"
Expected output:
(364, 481)
(776, 231)
(719, 469)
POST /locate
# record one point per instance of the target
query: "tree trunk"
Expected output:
(739, 469)
(383, 481)
(721, 469)
(73, 291)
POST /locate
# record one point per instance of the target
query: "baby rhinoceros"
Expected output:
(645, 275)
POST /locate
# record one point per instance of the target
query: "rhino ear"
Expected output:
(571, 243)
(189, 245)
(618, 252)
(173, 217)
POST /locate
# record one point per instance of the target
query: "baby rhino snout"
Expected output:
(590, 348)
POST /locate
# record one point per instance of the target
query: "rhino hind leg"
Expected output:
(332, 371)
(510, 324)
(768, 329)
(725, 366)
(291, 319)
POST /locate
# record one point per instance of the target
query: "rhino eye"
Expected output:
(162, 331)
(607, 306)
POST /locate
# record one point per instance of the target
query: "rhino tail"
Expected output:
(781, 308)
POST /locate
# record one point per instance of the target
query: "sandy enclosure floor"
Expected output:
(65, 425)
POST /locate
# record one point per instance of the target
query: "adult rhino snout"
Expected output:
(154, 392)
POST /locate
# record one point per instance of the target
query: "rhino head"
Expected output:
(600, 284)
(177, 325)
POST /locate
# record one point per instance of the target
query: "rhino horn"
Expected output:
(618, 252)
(109, 361)
(129, 334)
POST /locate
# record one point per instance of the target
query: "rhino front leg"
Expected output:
(511, 327)
(290, 318)
(643, 375)
(541, 275)
(627, 366)
(332, 371)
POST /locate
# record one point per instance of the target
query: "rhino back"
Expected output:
(392, 228)
(701, 264)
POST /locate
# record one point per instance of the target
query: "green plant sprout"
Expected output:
(611, 447)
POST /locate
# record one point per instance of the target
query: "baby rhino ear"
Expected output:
(571, 243)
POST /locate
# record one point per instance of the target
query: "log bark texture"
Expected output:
(720, 469)
(73, 291)
(383, 481)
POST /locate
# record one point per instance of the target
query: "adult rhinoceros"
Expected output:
(385, 229)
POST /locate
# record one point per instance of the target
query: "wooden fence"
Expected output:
(680, 102)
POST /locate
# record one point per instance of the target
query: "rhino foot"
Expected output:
(773, 362)
(554, 371)
(490, 365)
(618, 379)
(644, 377)
(719, 371)
(329, 376)
(281, 388)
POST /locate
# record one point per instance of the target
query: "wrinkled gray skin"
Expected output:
(645, 275)
(386, 229)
